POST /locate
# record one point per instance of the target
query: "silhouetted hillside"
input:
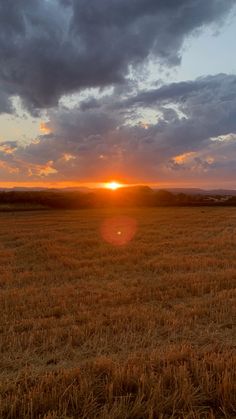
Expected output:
(141, 196)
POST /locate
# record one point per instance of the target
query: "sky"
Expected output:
(138, 91)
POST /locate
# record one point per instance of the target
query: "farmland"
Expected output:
(95, 329)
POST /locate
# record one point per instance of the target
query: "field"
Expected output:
(90, 329)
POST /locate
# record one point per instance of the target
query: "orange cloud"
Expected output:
(67, 157)
(8, 168)
(7, 149)
(144, 125)
(44, 128)
(182, 158)
(41, 170)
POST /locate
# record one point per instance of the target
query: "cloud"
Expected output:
(201, 90)
(44, 128)
(193, 137)
(57, 47)
(13, 168)
(8, 147)
(206, 107)
(5, 103)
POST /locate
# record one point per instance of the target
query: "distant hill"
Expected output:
(187, 191)
(197, 191)
(42, 189)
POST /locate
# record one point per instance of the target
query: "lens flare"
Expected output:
(118, 230)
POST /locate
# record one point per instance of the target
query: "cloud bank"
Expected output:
(49, 49)
(192, 138)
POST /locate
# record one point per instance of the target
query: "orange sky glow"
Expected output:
(97, 185)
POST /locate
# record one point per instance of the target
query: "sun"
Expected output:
(113, 185)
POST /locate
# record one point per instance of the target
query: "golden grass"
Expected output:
(91, 330)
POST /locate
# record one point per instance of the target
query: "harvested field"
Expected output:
(91, 329)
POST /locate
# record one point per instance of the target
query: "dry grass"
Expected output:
(91, 330)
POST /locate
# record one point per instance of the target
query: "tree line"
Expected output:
(125, 197)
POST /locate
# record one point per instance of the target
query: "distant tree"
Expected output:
(164, 197)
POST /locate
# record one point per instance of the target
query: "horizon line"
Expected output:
(103, 185)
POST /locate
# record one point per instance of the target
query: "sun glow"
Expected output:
(113, 185)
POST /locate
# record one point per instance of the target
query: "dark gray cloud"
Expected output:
(49, 48)
(90, 103)
(201, 90)
(5, 103)
(206, 108)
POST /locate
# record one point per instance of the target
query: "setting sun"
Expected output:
(113, 185)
